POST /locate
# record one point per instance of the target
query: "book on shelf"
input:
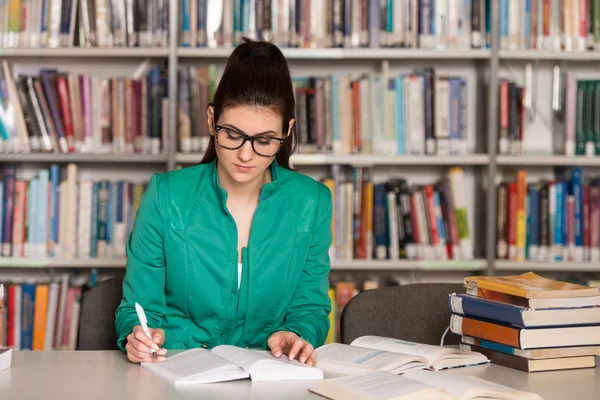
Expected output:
(575, 124)
(84, 24)
(496, 316)
(338, 24)
(413, 385)
(569, 26)
(391, 355)
(377, 113)
(550, 220)
(41, 315)
(393, 220)
(56, 214)
(60, 112)
(227, 363)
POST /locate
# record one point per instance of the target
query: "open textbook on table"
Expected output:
(391, 355)
(415, 385)
(227, 363)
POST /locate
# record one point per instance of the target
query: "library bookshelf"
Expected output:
(486, 67)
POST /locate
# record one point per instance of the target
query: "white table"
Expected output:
(109, 375)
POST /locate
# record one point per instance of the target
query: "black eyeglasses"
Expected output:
(231, 139)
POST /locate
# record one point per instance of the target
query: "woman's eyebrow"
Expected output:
(257, 134)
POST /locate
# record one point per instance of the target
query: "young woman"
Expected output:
(233, 250)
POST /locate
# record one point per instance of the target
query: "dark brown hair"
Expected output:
(257, 75)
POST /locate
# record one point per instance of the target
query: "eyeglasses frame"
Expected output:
(246, 138)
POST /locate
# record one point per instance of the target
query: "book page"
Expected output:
(436, 356)
(346, 359)
(376, 385)
(467, 387)
(190, 363)
(427, 351)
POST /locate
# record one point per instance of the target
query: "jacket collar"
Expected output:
(267, 190)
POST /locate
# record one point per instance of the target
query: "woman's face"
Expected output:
(244, 165)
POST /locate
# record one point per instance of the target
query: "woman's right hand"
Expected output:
(138, 345)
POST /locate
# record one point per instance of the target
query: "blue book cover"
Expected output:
(27, 314)
(577, 187)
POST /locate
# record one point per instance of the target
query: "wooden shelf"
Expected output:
(364, 160)
(565, 266)
(533, 55)
(16, 262)
(356, 265)
(348, 54)
(549, 160)
(82, 158)
(407, 265)
(85, 52)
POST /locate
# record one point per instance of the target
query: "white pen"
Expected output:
(142, 317)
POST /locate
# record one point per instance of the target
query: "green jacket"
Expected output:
(182, 262)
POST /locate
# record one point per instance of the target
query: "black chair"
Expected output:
(97, 316)
(414, 312)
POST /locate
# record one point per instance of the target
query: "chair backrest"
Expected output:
(415, 312)
(97, 319)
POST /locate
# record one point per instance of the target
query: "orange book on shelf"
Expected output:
(39, 316)
(528, 286)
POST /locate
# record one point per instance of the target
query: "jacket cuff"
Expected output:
(126, 328)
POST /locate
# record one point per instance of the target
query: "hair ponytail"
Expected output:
(257, 75)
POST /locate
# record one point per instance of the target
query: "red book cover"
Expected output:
(65, 109)
(586, 221)
(10, 323)
(430, 204)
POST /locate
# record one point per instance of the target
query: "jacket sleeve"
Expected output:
(144, 280)
(308, 314)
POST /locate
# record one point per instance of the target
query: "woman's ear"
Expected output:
(291, 125)
(210, 113)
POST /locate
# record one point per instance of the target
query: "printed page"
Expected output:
(193, 363)
(262, 365)
(241, 356)
(468, 387)
(431, 353)
(344, 359)
(436, 356)
(377, 385)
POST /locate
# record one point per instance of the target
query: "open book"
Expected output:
(415, 385)
(227, 363)
(391, 355)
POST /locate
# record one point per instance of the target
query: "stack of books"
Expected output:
(528, 322)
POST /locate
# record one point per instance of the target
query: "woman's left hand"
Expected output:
(284, 342)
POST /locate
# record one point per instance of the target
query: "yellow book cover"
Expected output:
(331, 336)
(528, 285)
(521, 234)
(39, 316)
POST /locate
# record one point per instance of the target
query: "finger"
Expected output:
(306, 351)
(141, 348)
(132, 353)
(274, 345)
(149, 343)
(296, 347)
(132, 357)
(158, 336)
(312, 359)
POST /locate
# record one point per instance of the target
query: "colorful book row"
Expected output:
(57, 215)
(84, 23)
(552, 25)
(395, 220)
(40, 316)
(66, 113)
(549, 220)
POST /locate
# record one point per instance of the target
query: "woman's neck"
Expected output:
(243, 192)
